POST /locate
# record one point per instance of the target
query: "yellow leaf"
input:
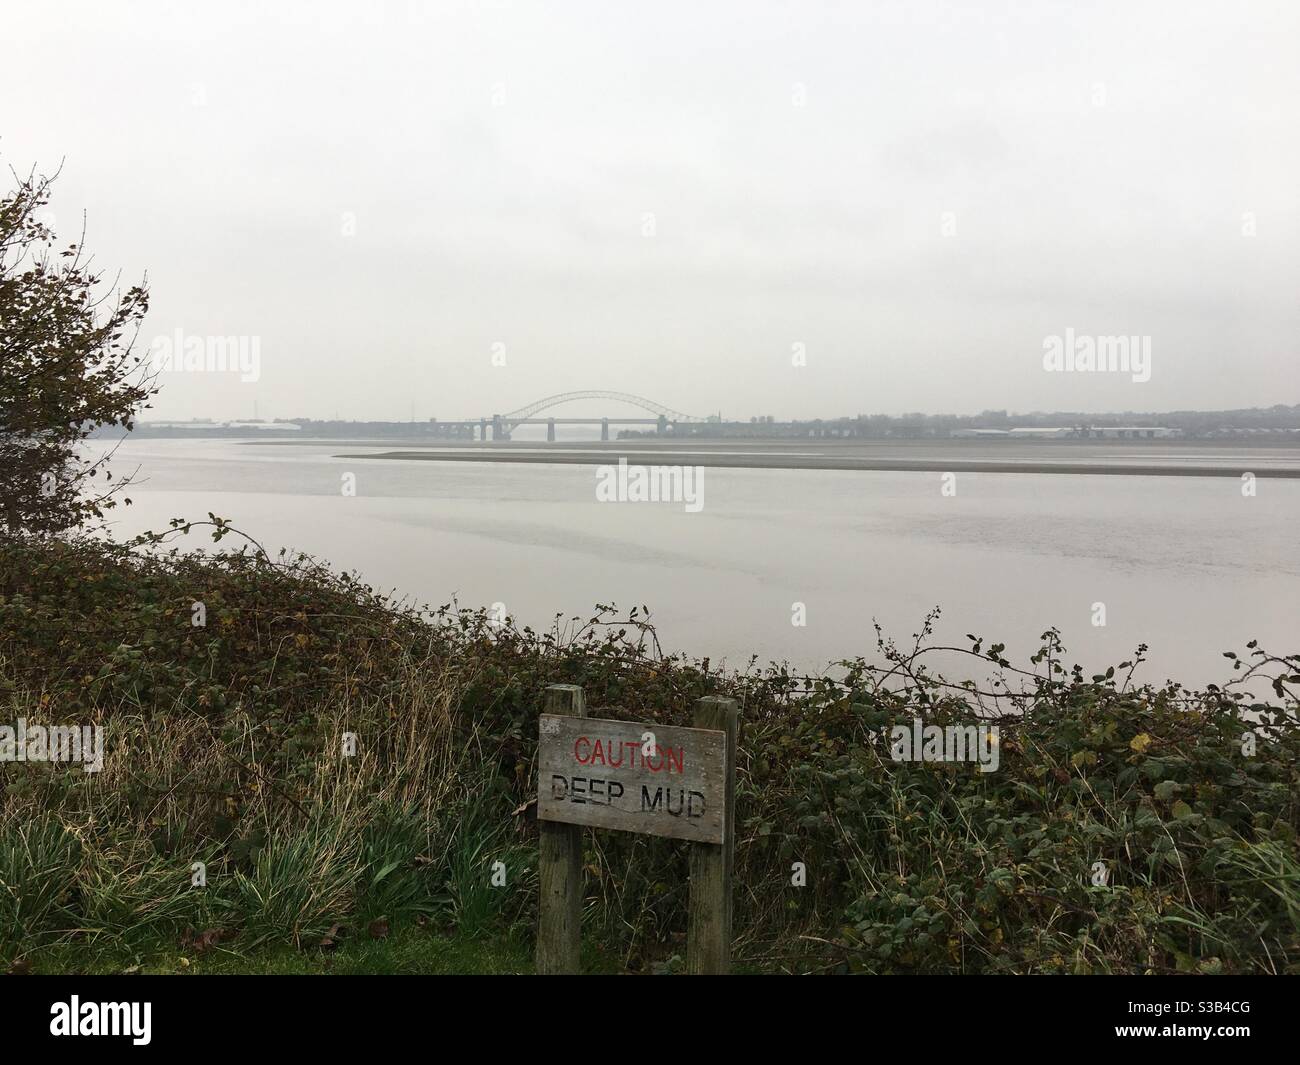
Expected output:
(1140, 742)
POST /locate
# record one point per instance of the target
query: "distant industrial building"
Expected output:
(1085, 432)
(1132, 433)
(204, 425)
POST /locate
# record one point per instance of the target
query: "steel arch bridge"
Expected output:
(511, 420)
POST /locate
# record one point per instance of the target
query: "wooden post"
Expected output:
(560, 867)
(708, 937)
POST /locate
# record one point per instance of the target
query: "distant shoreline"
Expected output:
(789, 458)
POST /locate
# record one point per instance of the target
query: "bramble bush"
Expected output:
(1125, 830)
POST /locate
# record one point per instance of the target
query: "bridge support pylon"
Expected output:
(604, 429)
(550, 431)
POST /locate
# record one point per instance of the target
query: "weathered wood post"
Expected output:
(560, 866)
(708, 937)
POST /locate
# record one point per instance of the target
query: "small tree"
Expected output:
(66, 367)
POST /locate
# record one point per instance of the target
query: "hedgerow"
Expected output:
(1127, 828)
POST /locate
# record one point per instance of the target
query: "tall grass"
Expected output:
(397, 832)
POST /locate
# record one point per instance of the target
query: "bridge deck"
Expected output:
(562, 421)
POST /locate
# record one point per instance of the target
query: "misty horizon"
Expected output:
(466, 207)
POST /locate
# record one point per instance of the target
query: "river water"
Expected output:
(1187, 565)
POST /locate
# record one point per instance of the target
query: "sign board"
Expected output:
(657, 779)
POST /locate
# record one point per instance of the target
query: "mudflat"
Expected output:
(1132, 458)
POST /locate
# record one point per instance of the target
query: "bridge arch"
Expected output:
(511, 420)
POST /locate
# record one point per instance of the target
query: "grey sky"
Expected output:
(1098, 161)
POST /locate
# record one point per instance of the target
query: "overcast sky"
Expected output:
(666, 198)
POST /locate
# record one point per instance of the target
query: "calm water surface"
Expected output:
(1184, 564)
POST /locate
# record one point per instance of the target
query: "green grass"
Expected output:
(410, 952)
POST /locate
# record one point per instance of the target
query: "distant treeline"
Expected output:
(1277, 421)
(295, 428)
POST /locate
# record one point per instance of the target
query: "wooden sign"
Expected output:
(657, 779)
(611, 774)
